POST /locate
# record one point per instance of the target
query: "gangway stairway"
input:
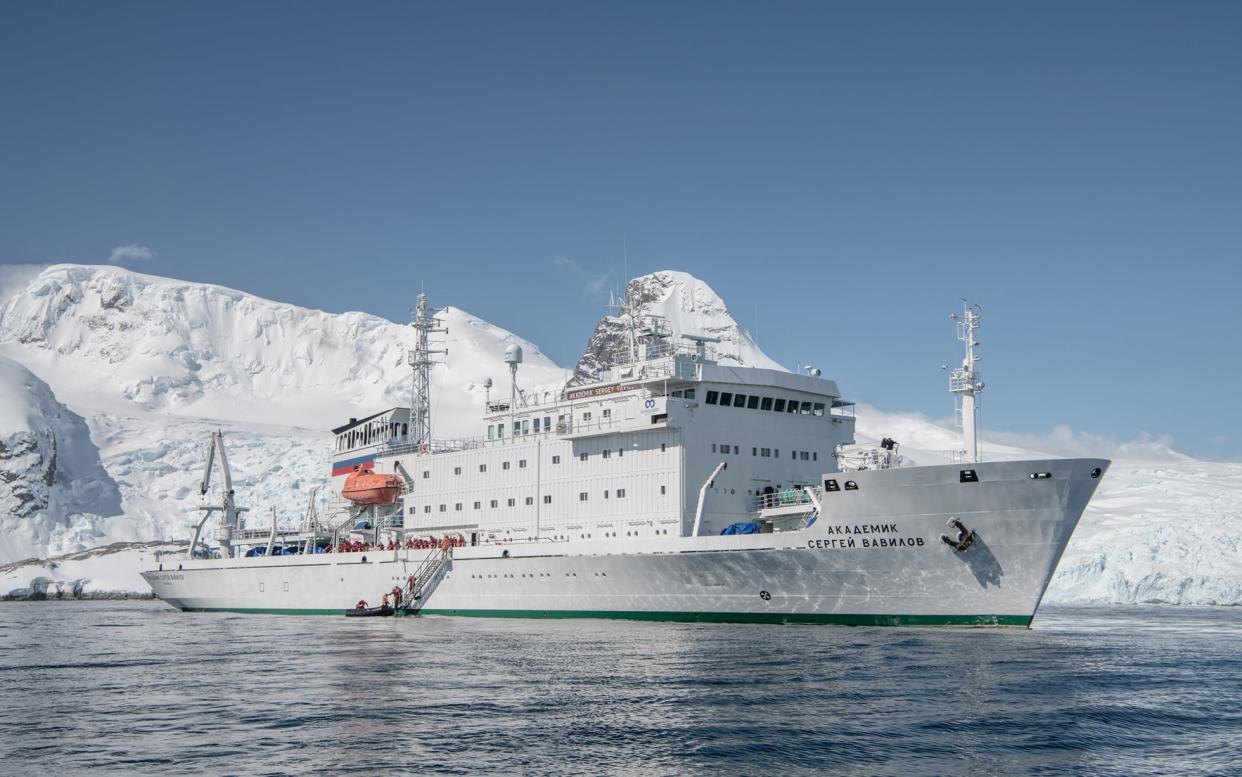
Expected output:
(425, 579)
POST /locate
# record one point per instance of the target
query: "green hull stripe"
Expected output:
(839, 619)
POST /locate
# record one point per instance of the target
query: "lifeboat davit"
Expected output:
(363, 486)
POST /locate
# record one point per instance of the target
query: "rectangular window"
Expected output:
(766, 452)
(530, 500)
(689, 393)
(477, 505)
(556, 459)
(547, 499)
(814, 455)
(427, 509)
(504, 465)
(806, 408)
(547, 423)
(765, 403)
(521, 463)
(818, 408)
(536, 425)
(607, 412)
(779, 407)
(734, 450)
(583, 456)
(457, 507)
(607, 453)
(677, 394)
(620, 493)
(739, 400)
(500, 431)
(776, 454)
(510, 502)
(456, 470)
(426, 474)
(754, 451)
(663, 490)
(493, 503)
(726, 398)
(582, 496)
(804, 455)
(491, 431)
(752, 402)
(663, 447)
(724, 448)
(525, 426)
(620, 452)
(713, 447)
(482, 468)
(605, 493)
(443, 508)
(586, 416)
(712, 396)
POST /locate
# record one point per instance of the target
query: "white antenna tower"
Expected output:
(421, 359)
(965, 383)
(627, 309)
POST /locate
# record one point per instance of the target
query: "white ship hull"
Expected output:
(873, 556)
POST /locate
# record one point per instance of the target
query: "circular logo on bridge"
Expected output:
(650, 403)
(765, 596)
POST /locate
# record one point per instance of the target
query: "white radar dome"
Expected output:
(513, 354)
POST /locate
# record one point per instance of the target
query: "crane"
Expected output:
(231, 521)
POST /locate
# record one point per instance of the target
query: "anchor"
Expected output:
(965, 537)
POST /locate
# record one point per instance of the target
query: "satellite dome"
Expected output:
(513, 353)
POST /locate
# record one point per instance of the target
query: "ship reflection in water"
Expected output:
(140, 688)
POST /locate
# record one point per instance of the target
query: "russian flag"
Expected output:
(347, 466)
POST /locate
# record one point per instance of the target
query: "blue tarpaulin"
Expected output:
(741, 528)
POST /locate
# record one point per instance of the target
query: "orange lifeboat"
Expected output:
(363, 486)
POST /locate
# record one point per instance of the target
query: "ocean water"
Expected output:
(136, 687)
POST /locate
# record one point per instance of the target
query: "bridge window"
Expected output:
(818, 408)
(689, 393)
(752, 402)
(779, 406)
(806, 408)
(765, 403)
(712, 396)
(726, 398)
(739, 400)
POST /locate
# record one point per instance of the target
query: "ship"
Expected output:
(669, 486)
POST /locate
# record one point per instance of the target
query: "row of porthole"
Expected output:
(587, 536)
(532, 575)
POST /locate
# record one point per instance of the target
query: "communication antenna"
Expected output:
(420, 360)
(965, 383)
(513, 357)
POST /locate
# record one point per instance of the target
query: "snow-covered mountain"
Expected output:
(197, 350)
(689, 306)
(53, 485)
(145, 367)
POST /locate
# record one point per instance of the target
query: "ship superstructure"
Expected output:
(670, 487)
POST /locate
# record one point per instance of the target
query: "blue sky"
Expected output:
(844, 172)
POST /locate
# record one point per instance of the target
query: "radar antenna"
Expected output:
(420, 360)
(627, 309)
(965, 383)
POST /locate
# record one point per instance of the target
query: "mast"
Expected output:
(420, 360)
(965, 383)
